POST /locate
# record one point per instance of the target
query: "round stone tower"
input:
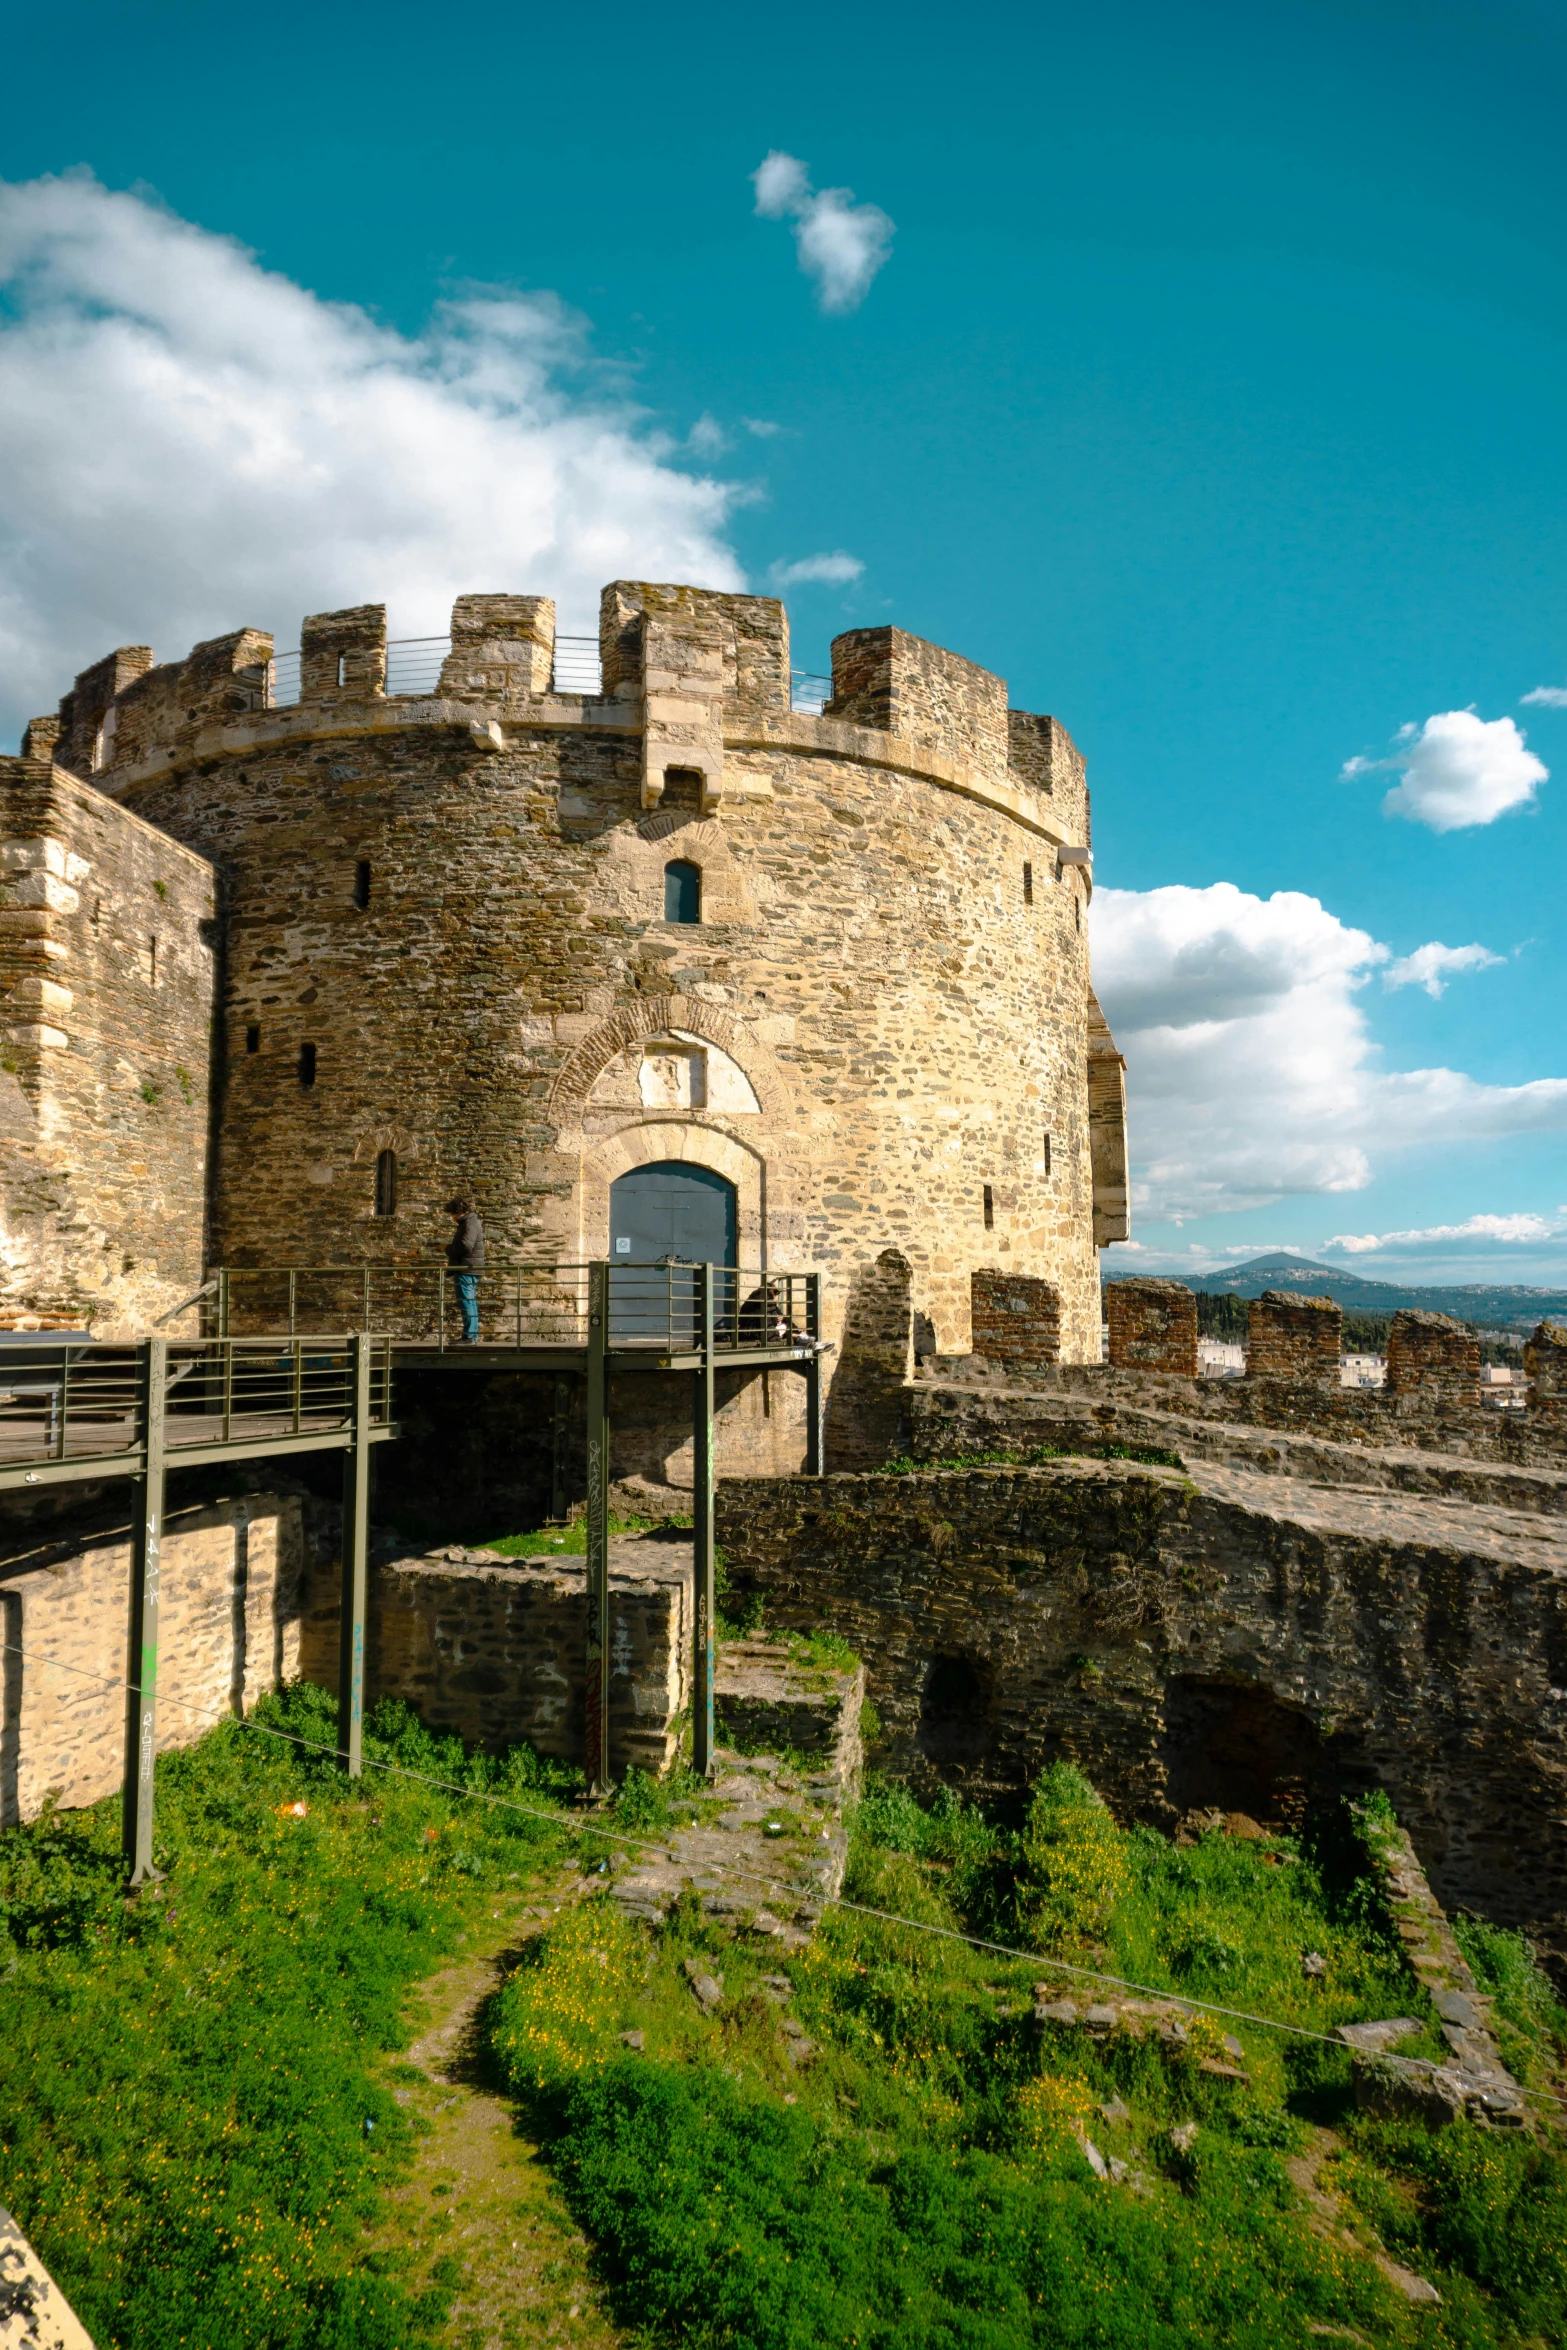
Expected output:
(480, 935)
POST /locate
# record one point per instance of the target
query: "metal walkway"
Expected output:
(74, 1411)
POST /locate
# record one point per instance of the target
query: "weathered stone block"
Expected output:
(1153, 1325)
(1293, 1337)
(1545, 1366)
(1433, 1363)
(1015, 1319)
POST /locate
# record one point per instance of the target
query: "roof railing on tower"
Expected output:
(414, 665)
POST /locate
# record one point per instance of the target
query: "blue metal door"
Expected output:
(663, 1220)
(672, 1209)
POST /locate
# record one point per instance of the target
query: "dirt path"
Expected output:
(479, 2191)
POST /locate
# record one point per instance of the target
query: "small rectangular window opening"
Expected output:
(152, 962)
(307, 1064)
(1047, 1154)
(1077, 909)
(253, 1039)
(342, 668)
(386, 1183)
(989, 1198)
(362, 882)
(1028, 885)
(682, 891)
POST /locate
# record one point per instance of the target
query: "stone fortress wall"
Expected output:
(108, 975)
(446, 910)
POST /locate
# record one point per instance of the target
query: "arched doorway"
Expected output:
(672, 1209)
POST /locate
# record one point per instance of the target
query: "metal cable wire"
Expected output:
(579, 1827)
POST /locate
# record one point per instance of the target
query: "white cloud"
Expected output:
(1519, 1229)
(1433, 965)
(833, 569)
(1252, 1075)
(707, 437)
(762, 426)
(1548, 697)
(193, 443)
(840, 243)
(1458, 770)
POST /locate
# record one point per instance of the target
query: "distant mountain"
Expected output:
(1490, 1305)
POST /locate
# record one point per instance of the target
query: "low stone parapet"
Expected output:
(495, 1648)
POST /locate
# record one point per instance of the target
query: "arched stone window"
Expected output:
(682, 891)
(386, 1183)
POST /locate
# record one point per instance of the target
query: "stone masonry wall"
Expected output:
(231, 1599)
(494, 1648)
(1016, 1320)
(1296, 1338)
(1187, 1650)
(1153, 1326)
(107, 978)
(456, 900)
(1545, 1367)
(1432, 1362)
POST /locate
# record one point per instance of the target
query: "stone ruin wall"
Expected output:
(492, 1649)
(230, 1628)
(1188, 1651)
(107, 980)
(894, 895)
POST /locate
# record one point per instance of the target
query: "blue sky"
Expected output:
(1210, 390)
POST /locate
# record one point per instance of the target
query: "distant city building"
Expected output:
(1220, 1358)
(1362, 1370)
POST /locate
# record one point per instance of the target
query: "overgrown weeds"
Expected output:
(925, 2179)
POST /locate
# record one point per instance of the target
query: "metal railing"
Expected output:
(78, 1401)
(653, 1308)
(414, 665)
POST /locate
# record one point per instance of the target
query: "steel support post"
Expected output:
(355, 1564)
(813, 1377)
(560, 1448)
(702, 1532)
(596, 1741)
(141, 1706)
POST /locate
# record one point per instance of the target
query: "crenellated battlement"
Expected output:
(692, 670)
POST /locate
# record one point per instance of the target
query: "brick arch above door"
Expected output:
(634, 1022)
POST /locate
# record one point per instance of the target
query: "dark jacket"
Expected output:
(465, 1249)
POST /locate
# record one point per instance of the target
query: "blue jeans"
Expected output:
(467, 1287)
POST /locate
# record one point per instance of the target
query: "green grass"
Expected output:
(921, 2182)
(571, 1540)
(191, 2130)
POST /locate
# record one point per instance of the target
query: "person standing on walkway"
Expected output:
(465, 1252)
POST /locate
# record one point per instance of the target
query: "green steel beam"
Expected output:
(141, 1707)
(355, 1576)
(702, 1533)
(596, 1743)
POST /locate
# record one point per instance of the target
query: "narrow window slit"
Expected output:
(307, 1064)
(386, 1183)
(253, 1039)
(362, 882)
(1028, 885)
(989, 1199)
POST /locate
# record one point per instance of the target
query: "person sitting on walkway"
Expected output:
(465, 1251)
